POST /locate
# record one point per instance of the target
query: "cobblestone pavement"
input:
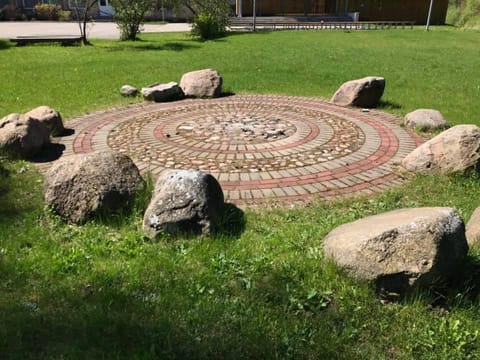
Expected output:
(261, 148)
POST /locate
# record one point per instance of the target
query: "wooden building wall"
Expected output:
(284, 7)
(416, 10)
(370, 10)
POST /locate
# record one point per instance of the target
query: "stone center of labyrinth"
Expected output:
(236, 128)
(260, 148)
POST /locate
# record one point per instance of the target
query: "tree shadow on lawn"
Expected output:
(109, 317)
(248, 32)
(4, 44)
(146, 45)
(8, 211)
(224, 37)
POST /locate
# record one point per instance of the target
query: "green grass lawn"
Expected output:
(103, 291)
(437, 69)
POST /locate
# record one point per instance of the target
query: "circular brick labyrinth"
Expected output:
(261, 148)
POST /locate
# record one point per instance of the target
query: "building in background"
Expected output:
(25, 9)
(368, 10)
(362, 10)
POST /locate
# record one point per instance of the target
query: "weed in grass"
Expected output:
(446, 339)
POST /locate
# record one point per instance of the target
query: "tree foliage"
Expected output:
(129, 16)
(210, 17)
(464, 12)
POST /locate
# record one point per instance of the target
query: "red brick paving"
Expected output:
(283, 170)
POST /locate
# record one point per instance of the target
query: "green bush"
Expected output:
(207, 26)
(129, 16)
(47, 11)
(464, 13)
(211, 19)
(64, 15)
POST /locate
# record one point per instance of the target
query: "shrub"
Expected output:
(64, 15)
(211, 19)
(129, 16)
(463, 12)
(47, 11)
(207, 26)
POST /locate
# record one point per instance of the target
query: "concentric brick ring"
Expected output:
(231, 144)
(261, 148)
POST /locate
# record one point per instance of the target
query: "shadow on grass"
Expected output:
(463, 290)
(246, 32)
(232, 222)
(386, 104)
(4, 44)
(146, 45)
(4, 172)
(99, 319)
(7, 210)
(224, 37)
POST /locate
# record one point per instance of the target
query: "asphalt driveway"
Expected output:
(100, 30)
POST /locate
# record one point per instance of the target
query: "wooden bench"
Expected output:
(63, 39)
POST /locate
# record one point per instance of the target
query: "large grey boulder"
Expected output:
(22, 136)
(365, 93)
(425, 119)
(456, 149)
(184, 201)
(48, 117)
(80, 186)
(202, 83)
(473, 228)
(162, 92)
(401, 250)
